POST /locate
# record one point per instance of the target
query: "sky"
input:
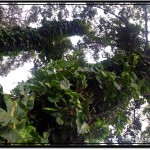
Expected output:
(11, 80)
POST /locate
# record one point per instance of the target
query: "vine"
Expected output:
(75, 101)
(45, 39)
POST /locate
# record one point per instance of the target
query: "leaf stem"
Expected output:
(13, 111)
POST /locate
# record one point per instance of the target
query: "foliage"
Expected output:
(74, 100)
(14, 124)
(68, 100)
(21, 44)
(52, 35)
(11, 15)
(132, 130)
(104, 31)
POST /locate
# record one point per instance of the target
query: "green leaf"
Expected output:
(6, 118)
(65, 84)
(100, 86)
(79, 121)
(55, 83)
(59, 121)
(45, 138)
(21, 124)
(134, 85)
(49, 72)
(9, 134)
(19, 113)
(98, 123)
(48, 84)
(21, 88)
(79, 124)
(50, 109)
(103, 73)
(86, 69)
(106, 130)
(52, 100)
(128, 121)
(28, 135)
(78, 103)
(30, 102)
(9, 104)
(85, 128)
(134, 75)
(117, 85)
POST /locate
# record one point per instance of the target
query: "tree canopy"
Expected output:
(68, 100)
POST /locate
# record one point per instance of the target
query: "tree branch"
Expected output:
(120, 18)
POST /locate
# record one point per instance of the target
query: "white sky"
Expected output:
(15, 76)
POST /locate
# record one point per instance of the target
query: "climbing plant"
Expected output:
(52, 35)
(75, 102)
(69, 100)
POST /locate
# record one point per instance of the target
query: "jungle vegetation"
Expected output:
(69, 101)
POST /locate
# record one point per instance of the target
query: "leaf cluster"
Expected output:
(74, 100)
